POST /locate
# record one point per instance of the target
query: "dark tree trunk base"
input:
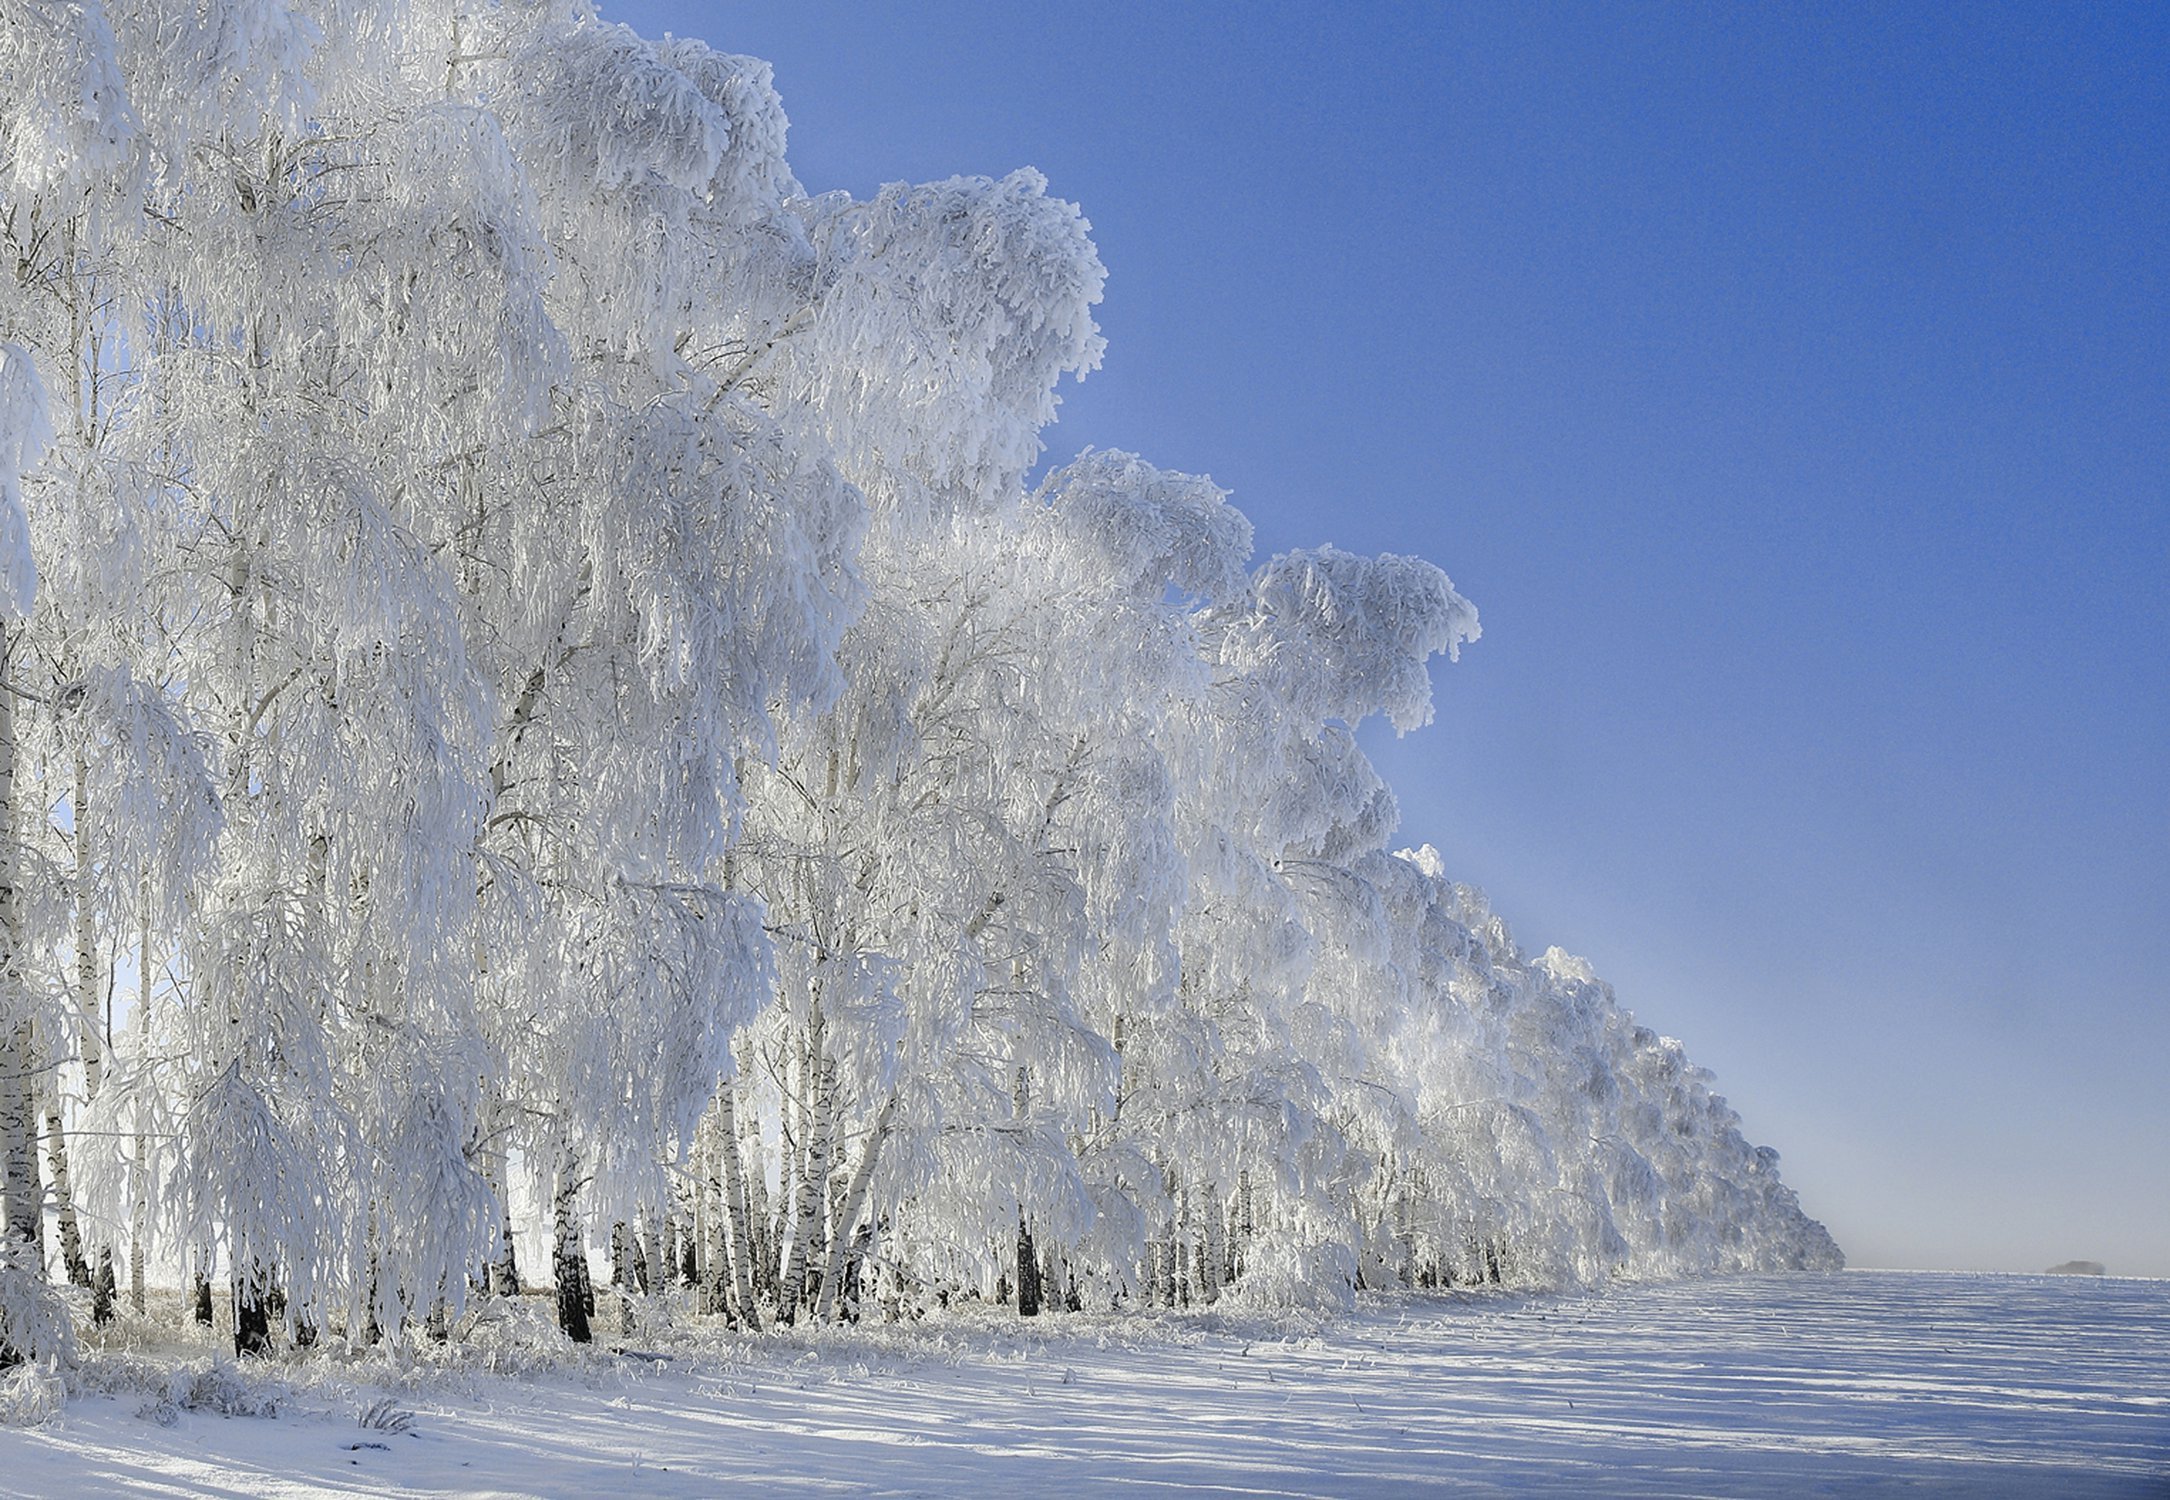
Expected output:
(104, 1287)
(1028, 1275)
(252, 1322)
(576, 1301)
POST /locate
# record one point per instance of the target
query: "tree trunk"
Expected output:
(1063, 1279)
(103, 1286)
(737, 1213)
(570, 1260)
(652, 1270)
(795, 1121)
(18, 1130)
(1245, 1225)
(1212, 1256)
(372, 1330)
(139, 1231)
(19, 1133)
(252, 1312)
(709, 1233)
(86, 941)
(569, 1263)
(56, 1160)
(1028, 1274)
(791, 1128)
(501, 1274)
(1186, 1249)
(18, 1047)
(1052, 1295)
(505, 1273)
(1408, 1228)
(855, 1203)
(1171, 1245)
(87, 1000)
(1028, 1264)
(810, 1199)
(753, 1159)
(139, 1217)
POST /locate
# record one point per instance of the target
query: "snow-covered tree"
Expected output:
(540, 695)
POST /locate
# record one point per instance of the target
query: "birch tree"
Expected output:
(555, 682)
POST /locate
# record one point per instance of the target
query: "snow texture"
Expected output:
(25, 433)
(1861, 1383)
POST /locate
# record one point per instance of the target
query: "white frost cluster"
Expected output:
(558, 719)
(25, 434)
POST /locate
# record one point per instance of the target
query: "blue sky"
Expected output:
(1790, 389)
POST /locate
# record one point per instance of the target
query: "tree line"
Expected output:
(544, 691)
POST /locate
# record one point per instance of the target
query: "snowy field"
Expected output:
(1866, 1383)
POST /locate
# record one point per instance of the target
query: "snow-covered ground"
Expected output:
(1865, 1383)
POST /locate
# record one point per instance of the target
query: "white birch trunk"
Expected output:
(701, 1218)
(753, 1158)
(18, 1048)
(86, 999)
(502, 1276)
(709, 1233)
(19, 1135)
(139, 1226)
(570, 1257)
(736, 1211)
(1212, 1254)
(1245, 1224)
(794, 1125)
(1185, 1249)
(86, 941)
(854, 1204)
(810, 1199)
(56, 1160)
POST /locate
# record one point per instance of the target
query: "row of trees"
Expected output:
(537, 683)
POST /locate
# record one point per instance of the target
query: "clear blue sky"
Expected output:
(1790, 389)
